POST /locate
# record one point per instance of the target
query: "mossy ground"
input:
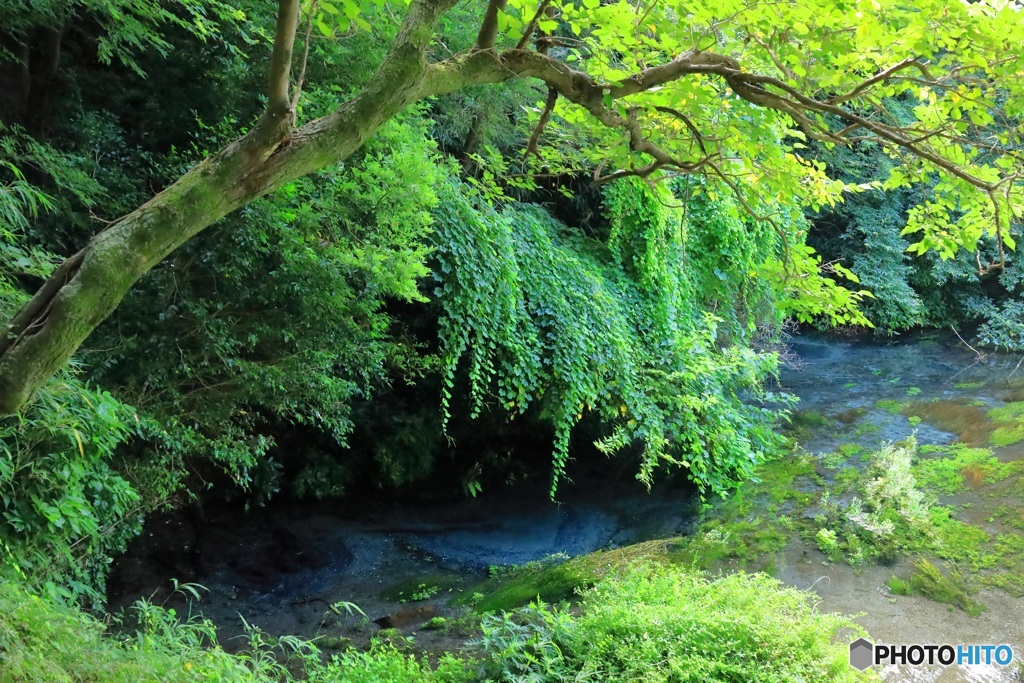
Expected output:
(555, 580)
(928, 580)
(811, 500)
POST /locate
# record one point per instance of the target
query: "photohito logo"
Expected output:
(864, 653)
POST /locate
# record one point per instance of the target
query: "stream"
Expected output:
(282, 566)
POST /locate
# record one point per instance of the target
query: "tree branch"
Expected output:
(549, 106)
(881, 76)
(786, 71)
(305, 59)
(532, 26)
(88, 287)
(488, 34)
(278, 103)
(687, 122)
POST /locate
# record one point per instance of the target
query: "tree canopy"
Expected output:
(730, 91)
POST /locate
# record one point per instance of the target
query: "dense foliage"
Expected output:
(566, 218)
(647, 625)
(624, 329)
(868, 234)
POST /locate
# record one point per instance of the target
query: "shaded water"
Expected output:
(281, 567)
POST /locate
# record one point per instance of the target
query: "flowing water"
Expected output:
(281, 567)
(840, 379)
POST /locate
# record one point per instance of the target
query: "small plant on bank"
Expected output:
(889, 514)
(422, 592)
(898, 586)
(435, 624)
(833, 460)
(929, 581)
(829, 544)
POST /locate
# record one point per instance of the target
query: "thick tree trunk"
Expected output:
(90, 284)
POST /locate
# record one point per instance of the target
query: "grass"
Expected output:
(657, 623)
(838, 457)
(957, 541)
(898, 586)
(737, 627)
(1009, 421)
(865, 428)
(555, 581)
(734, 544)
(834, 460)
(1011, 412)
(44, 641)
(645, 620)
(803, 422)
(845, 480)
(1007, 435)
(890, 406)
(929, 581)
(1009, 551)
(422, 587)
(955, 468)
(1011, 516)
(523, 585)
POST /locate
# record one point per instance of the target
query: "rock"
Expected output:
(407, 617)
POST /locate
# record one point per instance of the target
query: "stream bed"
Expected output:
(960, 385)
(282, 567)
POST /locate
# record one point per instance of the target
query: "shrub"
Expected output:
(64, 511)
(655, 624)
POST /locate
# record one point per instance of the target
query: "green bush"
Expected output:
(665, 624)
(64, 511)
(43, 641)
(648, 624)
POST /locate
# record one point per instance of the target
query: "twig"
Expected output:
(549, 106)
(1015, 369)
(978, 353)
(532, 26)
(305, 60)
